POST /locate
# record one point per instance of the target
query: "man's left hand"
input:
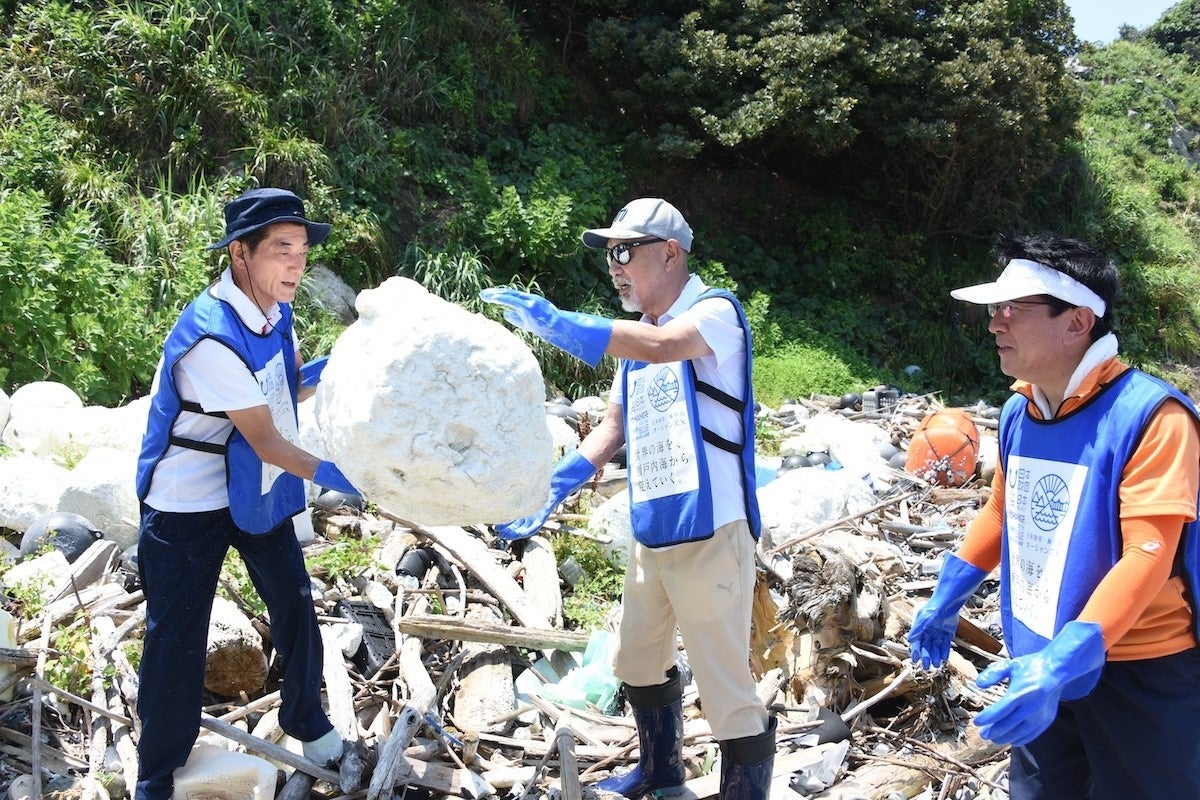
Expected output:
(310, 371)
(584, 336)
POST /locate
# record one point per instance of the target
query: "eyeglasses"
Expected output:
(622, 252)
(1006, 309)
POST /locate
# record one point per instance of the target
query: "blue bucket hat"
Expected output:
(258, 208)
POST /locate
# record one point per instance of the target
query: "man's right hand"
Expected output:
(934, 625)
(524, 527)
(571, 471)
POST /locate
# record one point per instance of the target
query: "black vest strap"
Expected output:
(194, 444)
(720, 442)
(727, 400)
(196, 408)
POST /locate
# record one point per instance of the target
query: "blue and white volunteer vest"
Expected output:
(261, 496)
(1062, 529)
(669, 499)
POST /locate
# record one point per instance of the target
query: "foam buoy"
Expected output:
(61, 530)
(332, 500)
(944, 449)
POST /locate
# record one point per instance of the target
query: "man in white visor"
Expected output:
(1091, 521)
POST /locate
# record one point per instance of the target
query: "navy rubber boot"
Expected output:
(746, 765)
(658, 712)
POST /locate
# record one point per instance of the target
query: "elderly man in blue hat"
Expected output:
(682, 402)
(220, 467)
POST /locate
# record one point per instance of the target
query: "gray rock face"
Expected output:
(434, 413)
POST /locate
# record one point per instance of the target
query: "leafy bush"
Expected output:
(799, 370)
(70, 314)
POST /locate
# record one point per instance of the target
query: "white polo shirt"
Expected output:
(719, 326)
(212, 375)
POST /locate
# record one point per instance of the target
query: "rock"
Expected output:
(102, 488)
(592, 407)
(802, 499)
(32, 487)
(330, 292)
(562, 434)
(434, 413)
(37, 410)
(610, 521)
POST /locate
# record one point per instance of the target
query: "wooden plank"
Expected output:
(437, 627)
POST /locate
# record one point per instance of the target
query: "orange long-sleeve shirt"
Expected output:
(1142, 611)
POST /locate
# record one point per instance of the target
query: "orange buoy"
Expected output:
(944, 449)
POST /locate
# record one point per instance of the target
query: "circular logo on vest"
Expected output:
(1050, 501)
(663, 390)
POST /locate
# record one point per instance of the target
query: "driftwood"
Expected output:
(485, 689)
(439, 626)
(541, 578)
(908, 775)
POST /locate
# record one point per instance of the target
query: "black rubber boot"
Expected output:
(658, 712)
(746, 765)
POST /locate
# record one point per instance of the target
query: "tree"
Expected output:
(1178, 30)
(943, 110)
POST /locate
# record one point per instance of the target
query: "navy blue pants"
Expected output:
(1137, 735)
(179, 559)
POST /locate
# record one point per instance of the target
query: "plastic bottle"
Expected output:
(8, 639)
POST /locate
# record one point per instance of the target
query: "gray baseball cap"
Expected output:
(646, 216)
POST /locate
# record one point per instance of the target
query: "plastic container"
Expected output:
(378, 639)
(213, 772)
(880, 400)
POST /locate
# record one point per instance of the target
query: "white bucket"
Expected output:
(214, 773)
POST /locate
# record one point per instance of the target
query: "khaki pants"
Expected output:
(706, 589)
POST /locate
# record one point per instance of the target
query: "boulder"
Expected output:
(102, 488)
(32, 488)
(36, 411)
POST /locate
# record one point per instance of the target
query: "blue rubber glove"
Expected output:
(571, 471)
(584, 336)
(329, 476)
(310, 372)
(1065, 669)
(934, 625)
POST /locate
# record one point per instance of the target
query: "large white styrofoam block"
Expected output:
(434, 413)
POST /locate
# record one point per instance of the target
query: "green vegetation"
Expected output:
(587, 605)
(844, 165)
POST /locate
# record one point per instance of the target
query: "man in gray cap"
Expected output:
(1091, 521)
(682, 402)
(220, 468)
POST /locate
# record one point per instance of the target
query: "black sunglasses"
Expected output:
(622, 252)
